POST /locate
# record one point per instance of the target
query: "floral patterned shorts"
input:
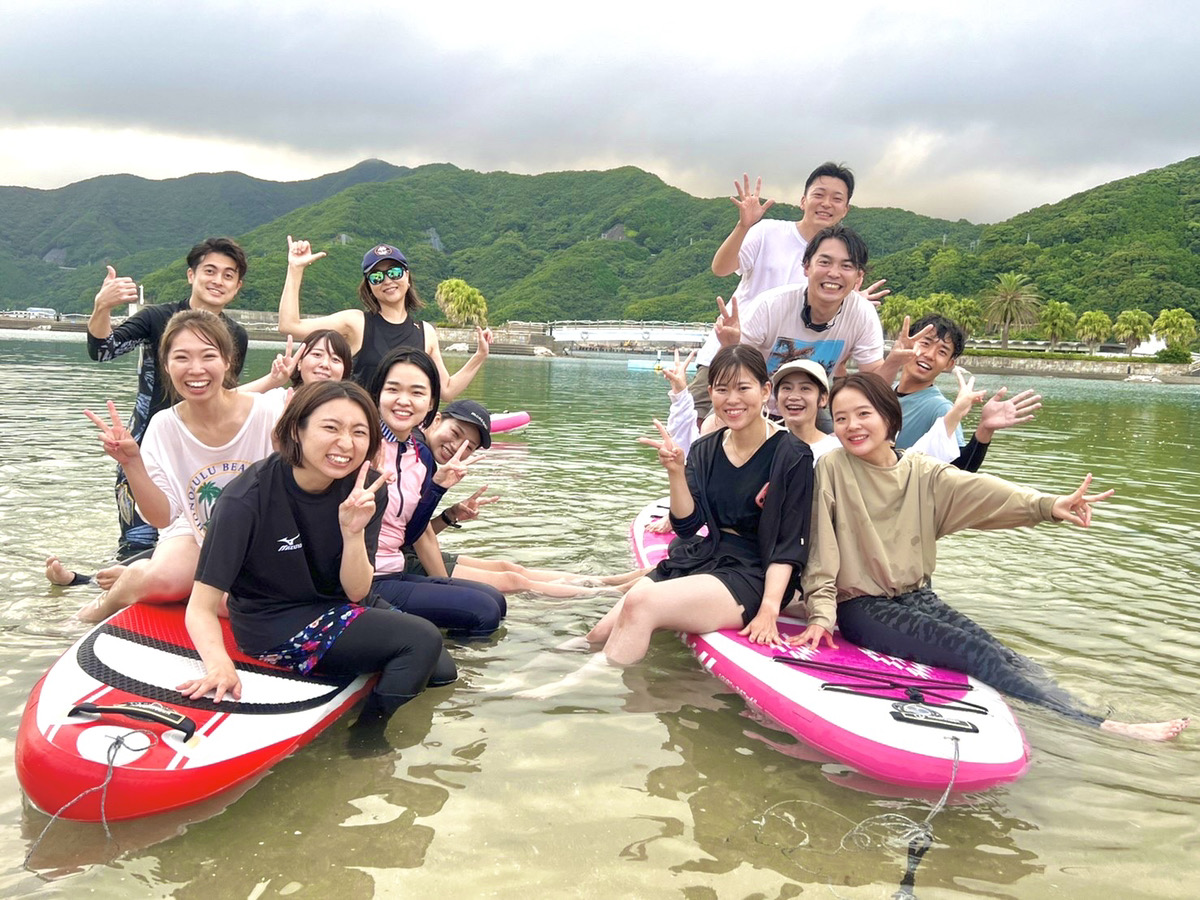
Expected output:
(303, 651)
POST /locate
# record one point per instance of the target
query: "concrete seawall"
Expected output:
(1117, 370)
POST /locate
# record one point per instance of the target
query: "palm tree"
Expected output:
(1057, 321)
(1132, 327)
(1093, 328)
(1013, 300)
(1176, 327)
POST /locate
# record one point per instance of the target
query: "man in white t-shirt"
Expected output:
(823, 319)
(769, 253)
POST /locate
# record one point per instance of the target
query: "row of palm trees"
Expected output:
(1014, 300)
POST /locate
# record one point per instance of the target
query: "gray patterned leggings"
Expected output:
(919, 626)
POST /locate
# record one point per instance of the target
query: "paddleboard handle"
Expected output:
(145, 710)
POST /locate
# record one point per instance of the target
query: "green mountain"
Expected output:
(54, 244)
(1132, 243)
(589, 245)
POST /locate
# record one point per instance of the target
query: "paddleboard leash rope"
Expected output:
(117, 744)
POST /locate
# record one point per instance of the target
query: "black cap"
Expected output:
(473, 414)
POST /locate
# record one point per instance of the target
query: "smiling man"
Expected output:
(823, 318)
(216, 268)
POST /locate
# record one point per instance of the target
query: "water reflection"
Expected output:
(656, 782)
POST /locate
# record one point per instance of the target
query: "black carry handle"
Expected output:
(143, 709)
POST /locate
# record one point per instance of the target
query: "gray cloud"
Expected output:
(974, 112)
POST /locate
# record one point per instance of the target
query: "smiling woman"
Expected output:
(388, 321)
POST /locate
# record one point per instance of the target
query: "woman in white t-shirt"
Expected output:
(190, 451)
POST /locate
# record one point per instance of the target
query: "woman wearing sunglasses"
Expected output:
(389, 321)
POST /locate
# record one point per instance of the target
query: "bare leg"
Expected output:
(692, 603)
(510, 582)
(542, 575)
(602, 629)
(1147, 731)
(108, 576)
(165, 577)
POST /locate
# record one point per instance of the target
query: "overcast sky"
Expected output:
(976, 110)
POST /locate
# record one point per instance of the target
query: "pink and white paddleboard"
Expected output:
(891, 719)
(509, 421)
(112, 697)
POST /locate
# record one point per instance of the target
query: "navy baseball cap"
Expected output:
(379, 253)
(473, 414)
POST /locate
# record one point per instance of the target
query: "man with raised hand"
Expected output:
(216, 268)
(769, 253)
(923, 403)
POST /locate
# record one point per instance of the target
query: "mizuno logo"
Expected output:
(292, 543)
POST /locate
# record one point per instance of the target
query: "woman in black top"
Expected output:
(751, 484)
(292, 541)
(389, 320)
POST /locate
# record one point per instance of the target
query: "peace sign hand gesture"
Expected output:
(300, 253)
(750, 207)
(677, 374)
(356, 510)
(967, 395)
(455, 469)
(285, 363)
(466, 510)
(729, 326)
(1076, 507)
(116, 439)
(670, 455)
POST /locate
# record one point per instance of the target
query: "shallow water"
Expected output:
(656, 781)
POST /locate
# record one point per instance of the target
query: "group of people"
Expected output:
(790, 481)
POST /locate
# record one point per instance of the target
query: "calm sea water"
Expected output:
(656, 781)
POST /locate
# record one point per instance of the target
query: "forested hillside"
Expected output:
(1130, 244)
(53, 243)
(591, 245)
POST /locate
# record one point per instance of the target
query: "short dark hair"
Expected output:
(729, 359)
(227, 246)
(856, 247)
(338, 346)
(947, 330)
(422, 361)
(307, 399)
(832, 170)
(878, 393)
(210, 329)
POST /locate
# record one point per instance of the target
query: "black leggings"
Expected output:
(920, 627)
(405, 650)
(457, 604)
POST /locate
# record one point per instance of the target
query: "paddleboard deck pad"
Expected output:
(891, 719)
(111, 699)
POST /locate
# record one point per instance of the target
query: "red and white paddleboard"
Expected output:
(891, 719)
(509, 421)
(112, 697)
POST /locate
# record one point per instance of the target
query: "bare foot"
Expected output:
(57, 573)
(107, 577)
(1147, 731)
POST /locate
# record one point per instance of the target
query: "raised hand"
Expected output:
(300, 253)
(115, 438)
(466, 510)
(677, 374)
(967, 395)
(116, 291)
(356, 510)
(902, 350)
(1076, 507)
(670, 455)
(284, 363)
(728, 327)
(455, 469)
(875, 292)
(999, 413)
(750, 207)
(483, 341)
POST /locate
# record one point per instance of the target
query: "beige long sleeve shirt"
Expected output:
(875, 529)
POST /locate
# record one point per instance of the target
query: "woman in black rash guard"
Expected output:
(292, 541)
